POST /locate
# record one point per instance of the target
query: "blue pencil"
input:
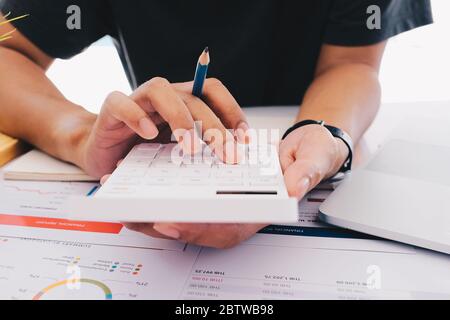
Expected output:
(200, 73)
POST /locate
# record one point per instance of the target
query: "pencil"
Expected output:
(200, 73)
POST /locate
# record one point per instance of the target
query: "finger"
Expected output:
(124, 109)
(214, 133)
(104, 179)
(158, 95)
(224, 105)
(147, 229)
(211, 235)
(301, 177)
(287, 153)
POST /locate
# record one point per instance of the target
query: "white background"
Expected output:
(416, 67)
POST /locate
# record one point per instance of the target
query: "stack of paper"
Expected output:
(38, 166)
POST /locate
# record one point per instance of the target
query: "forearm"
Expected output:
(34, 110)
(346, 96)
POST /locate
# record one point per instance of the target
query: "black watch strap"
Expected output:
(340, 134)
(336, 132)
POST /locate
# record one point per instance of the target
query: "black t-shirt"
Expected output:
(264, 51)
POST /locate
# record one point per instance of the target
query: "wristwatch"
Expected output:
(335, 132)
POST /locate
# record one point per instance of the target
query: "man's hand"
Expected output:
(221, 236)
(124, 120)
(309, 155)
(157, 105)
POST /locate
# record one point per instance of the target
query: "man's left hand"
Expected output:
(309, 155)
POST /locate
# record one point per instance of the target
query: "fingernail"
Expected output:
(137, 227)
(186, 142)
(241, 132)
(104, 179)
(148, 129)
(191, 142)
(167, 230)
(303, 187)
(233, 152)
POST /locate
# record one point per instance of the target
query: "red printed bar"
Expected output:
(61, 224)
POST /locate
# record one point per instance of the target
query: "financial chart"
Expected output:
(31, 209)
(57, 270)
(44, 257)
(286, 267)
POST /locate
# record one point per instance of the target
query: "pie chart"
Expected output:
(97, 285)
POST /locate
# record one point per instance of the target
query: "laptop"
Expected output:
(158, 183)
(403, 192)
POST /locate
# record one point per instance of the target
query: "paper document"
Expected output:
(44, 257)
(39, 270)
(316, 267)
(38, 166)
(265, 267)
(31, 209)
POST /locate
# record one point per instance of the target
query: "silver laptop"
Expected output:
(403, 193)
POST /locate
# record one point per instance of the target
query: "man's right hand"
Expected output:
(156, 104)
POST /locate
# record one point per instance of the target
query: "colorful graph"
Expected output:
(102, 286)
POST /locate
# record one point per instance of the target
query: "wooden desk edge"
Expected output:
(10, 149)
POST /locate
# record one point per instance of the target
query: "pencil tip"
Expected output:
(204, 57)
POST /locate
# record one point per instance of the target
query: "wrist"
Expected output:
(342, 154)
(343, 145)
(71, 134)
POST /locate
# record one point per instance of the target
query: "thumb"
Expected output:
(301, 177)
(104, 179)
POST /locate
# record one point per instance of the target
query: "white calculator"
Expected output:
(159, 183)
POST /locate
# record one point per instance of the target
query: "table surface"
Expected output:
(389, 118)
